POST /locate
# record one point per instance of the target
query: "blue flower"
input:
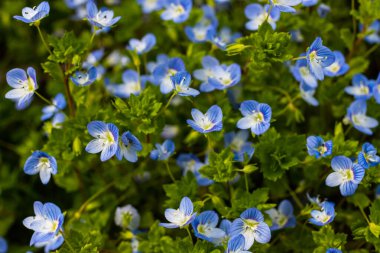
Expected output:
(127, 217)
(285, 5)
(309, 3)
(317, 147)
(224, 76)
(164, 71)
(58, 119)
(319, 57)
(177, 10)
(296, 35)
(3, 245)
(211, 121)
(376, 89)
(180, 217)
(129, 145)
(58, 104)
(361, 87)
(116, 59)
(325, 216)
(302, 73)
(225, 37)
(93, 58)
(239, 145)
(144, 45)
(283, 217)
(47, 225)
(339, 67)
(149, 6)
(73, 4)
(373, 30)
(106, 139)
(204, 226)
(100, 19)
(323, 10)
(164, 151)
(226, 226)
(84, 78)
(181, 82)
(252, 226)
(42, 163)
(346, 174)
(237, 245)
(258, 14)
(307, 94)
(356, 114)
(257, 117)
(367, 157)
(200, 32)
(131, 85)
(191, 163)
(35, 14)
(208, 63)
(333, 250)
(23, 86)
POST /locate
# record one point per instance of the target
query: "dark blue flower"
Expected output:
(367, 157)
(317, 147)
(131, 85)
(164, 151)
(319, 57)
(236, 245)
(373, 30)
(163, 72)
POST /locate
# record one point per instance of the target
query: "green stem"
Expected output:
(295, 197)
(209, 143)
(42, 38)
(169, 171)
(93, 37)
(68, 92)
(94, 196)
(188, 232)
(270, 9)
(364, 215)
(298, 58)
(43, 98)
(169, 101)
(371, 50)
(246, 182)
(67, 242)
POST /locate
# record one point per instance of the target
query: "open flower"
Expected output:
(302, 73)
(325, 216)
(317, 147)
(239, 145)
(367, 157)
(346, 174)
(361, 87)
(211, 121)
(285, 5)
(356, 114)
(257, 117)
(282, 217)
(58, 104)
(130, 85)
(42, 163)
(204, 75)
(164, 71)
(319, 57)
(180, 217)
(35, 14)
(149, 6)
(252, 226)
(177, 10)
(129, 145)
(373, 32)
(46, 224)
(84, 78)
(258, 14)
(102, 19)
(339, 66)
(225, 76)
(164, 151)
(23, 86)
(144, 45)
(307, 94)
(106, 139)
(204, 226)
(127, 217)
(181, 82)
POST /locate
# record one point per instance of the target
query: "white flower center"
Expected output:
(205, 123)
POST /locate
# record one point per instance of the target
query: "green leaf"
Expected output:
(326, 238)
(186, 186)
(220, 167)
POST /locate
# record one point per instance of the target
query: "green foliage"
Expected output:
(326, 238)
(220, 167)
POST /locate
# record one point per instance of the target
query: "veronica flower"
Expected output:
(106, 139)
(339, 67)
(3, 245)
(46, 224)
(225, 76)
(131, 85)
(317, 147)
(225, 37)
(164, 71)
(282, 217)
(361, 87)
(239, 145)
(200, 32)
(285, 5)
(102, 19)
(144, 45)
(149, 6)
(208, 63)
(307, 94)
(302, 73)
(325, 216)
(319, 57)
(191, 163)
(35, 14)
(346, 174)
(115, 58)
(177, 10)
(226, 226)
(170, 131)
(204, 226)
(323, 10)
(93, 58)
(356, 114)
(181, 82)
(252, 226)
(57, 120)
(211, 121)
(42, 163)
(58, 104)
(84, 78)
(127, 217)
(236, 245)
(373, 30)
(333, 250)
(23, 85)
(376, 89)
(367, 157)
(164, 151)
(257, 117)
(180, 217)
(73, 4)
(309, 3)
(258, 14)
(314, 200)
(129, 145)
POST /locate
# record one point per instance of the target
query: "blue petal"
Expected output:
(341, 163)
(286, 208)
(108, 152)
(236, 243)
(262, 233)
(260, 128)
(252, 214)
(186, 206)
(96, 128)
(348, 188)
(253, 10)
(358, 172)
(52, 211)
(248, 107)
(92, 10)
(266, 111)
(15, 77)
(208, 217)
(214, 114)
